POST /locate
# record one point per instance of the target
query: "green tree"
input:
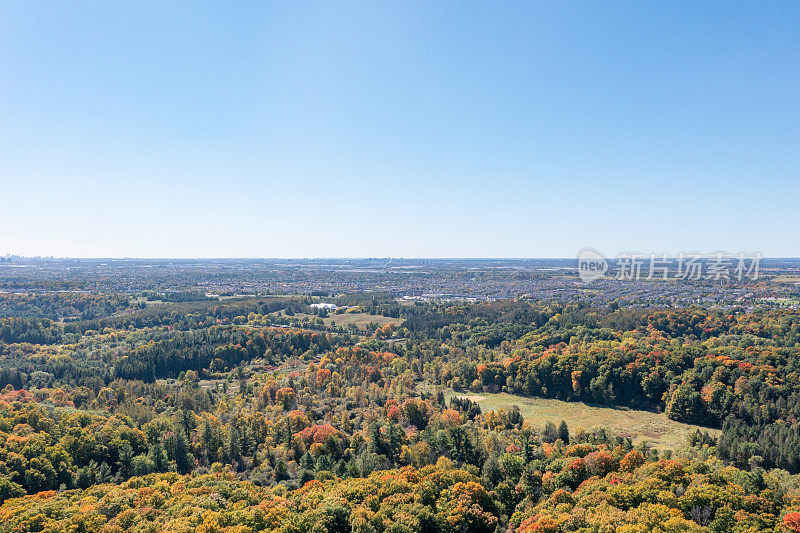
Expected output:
(563, 432)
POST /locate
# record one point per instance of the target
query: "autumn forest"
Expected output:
(270, 414)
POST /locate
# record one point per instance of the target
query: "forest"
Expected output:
(185, 413)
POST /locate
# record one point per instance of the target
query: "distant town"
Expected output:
(409, 280)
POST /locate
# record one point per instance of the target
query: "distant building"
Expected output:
(329, 307)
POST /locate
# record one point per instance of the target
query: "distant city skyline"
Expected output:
(338, 129)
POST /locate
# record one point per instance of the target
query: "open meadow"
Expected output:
(360, 320)
(655, 428)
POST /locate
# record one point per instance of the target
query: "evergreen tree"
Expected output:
(563, 432)
(491, 471)
(550, 433)
(158, 457)
(125, 463)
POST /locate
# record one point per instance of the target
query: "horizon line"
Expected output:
(310, 258)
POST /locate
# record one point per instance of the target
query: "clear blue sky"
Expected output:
(437, 129)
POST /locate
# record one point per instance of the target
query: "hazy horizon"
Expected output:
(349, 258)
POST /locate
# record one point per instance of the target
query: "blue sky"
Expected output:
(430, 129)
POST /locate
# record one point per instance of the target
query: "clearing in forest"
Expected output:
(359, 319)
(656, 428)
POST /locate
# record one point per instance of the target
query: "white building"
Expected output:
(329, 307)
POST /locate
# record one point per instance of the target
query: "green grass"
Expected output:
(359, 319)
(655, 428)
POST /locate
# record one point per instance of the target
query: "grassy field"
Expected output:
(656, 428)
(359, 319)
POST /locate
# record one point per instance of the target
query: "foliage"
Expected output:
(209, 416)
